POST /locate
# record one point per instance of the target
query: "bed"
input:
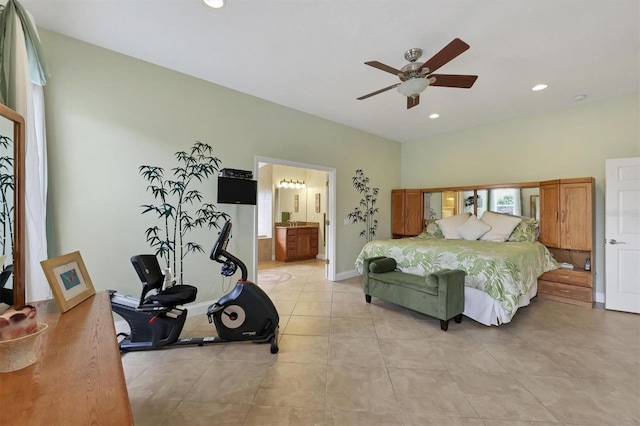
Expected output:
(501, 275)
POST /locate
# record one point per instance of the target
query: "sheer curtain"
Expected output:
(22, 77)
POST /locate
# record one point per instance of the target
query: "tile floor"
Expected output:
(345, 362)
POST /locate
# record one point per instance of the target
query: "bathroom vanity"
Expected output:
(296, 241)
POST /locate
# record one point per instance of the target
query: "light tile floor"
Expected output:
(345, 362)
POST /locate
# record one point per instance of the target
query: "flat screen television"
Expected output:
(237, 191)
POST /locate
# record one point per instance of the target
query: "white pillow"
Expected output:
(501, 226)
(450, 225)
(473, 228)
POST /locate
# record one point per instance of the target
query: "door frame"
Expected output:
(331, 211)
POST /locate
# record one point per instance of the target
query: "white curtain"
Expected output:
(23, 75)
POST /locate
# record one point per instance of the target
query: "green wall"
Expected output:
(107, 114)
(572, 142)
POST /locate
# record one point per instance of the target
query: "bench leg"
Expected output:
(367, 298)
(444, 325)
(458, 318)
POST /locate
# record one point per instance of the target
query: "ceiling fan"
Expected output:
(415, 77)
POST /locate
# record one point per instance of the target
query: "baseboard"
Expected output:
(346, 275)
(600, 297)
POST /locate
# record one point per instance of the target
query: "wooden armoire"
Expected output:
(406, 213)
(567, 229)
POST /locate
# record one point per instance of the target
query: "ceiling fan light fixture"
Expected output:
(413, 87)
(216, 4)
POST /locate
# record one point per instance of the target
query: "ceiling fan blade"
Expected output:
(383, 67)
(448, 53)
(411, 102)
(453, 80)
(378, 91)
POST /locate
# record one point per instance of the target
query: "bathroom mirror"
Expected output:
(12, 290)
(286, 203)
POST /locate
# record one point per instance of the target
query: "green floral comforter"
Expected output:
(503, 270)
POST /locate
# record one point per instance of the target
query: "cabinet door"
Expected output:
(550, 215)
(406, 212)
(303, 243)
(397, 212)
(281, 244)
(413, 220)
(576, 230)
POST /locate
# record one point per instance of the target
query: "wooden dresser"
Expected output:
(77, 378)
(296, 242)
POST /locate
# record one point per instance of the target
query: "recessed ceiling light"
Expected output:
(216, 4)
(434, 115)
(579, 97)
(539, 87)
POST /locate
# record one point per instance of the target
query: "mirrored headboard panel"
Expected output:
(12, 242)
(521, 199)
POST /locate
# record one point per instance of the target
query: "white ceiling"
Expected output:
(308, 54)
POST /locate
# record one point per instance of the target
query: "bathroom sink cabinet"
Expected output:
(296, 242)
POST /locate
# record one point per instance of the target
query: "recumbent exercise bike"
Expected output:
(244, 314)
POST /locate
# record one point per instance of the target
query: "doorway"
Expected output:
(315, 202)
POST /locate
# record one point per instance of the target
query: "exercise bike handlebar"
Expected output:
(220, 254)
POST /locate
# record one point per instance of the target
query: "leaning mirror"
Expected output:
(11, 208)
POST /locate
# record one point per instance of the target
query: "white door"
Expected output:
(622, 234)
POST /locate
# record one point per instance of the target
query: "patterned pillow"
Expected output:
(432, 231)
(526, 231)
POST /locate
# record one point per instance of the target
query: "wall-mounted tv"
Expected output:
(237, 191)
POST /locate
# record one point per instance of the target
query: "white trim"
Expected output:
(346, 275)
(331, 213)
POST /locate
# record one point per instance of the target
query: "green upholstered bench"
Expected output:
(440, 294)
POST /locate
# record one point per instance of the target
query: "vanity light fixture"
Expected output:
(538, 87)
(216, 4)
(284, 183)
(434, 115)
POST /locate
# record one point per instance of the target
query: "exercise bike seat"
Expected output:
(150, 274)
(173, 296)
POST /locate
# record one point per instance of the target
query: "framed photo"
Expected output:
(68, 279)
